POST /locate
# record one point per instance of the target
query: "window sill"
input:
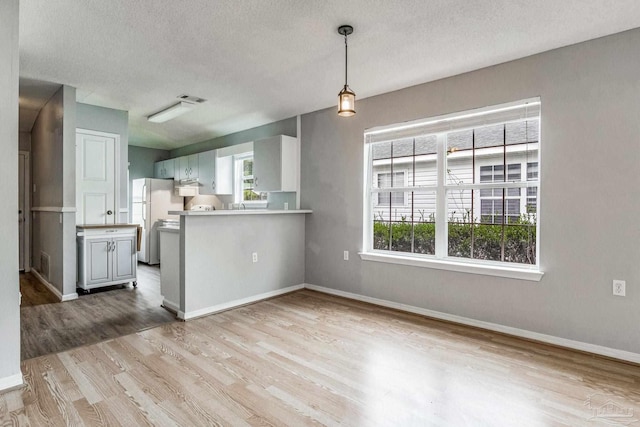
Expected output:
(462, 267)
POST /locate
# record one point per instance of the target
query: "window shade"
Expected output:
(525, 109)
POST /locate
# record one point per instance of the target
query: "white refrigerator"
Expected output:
(152, 199)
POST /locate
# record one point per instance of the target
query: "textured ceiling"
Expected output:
(258, 61)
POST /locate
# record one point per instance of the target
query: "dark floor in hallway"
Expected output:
(48, 326)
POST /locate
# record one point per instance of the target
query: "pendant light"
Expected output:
(346, 97)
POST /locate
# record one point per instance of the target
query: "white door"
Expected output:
(95, 178)
(23, 209)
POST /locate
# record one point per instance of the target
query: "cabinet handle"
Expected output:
(255, 181)
(213, 184)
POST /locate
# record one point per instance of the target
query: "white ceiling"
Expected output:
(259, 61)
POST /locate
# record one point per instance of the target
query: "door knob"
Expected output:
(109, 212)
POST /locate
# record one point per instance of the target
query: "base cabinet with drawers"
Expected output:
(106, 256)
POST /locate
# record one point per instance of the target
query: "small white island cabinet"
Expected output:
(107, 255)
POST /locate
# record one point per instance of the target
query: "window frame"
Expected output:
(441, 259)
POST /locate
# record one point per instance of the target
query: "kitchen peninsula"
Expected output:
(228, 258)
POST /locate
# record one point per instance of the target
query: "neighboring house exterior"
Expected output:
(501, 163)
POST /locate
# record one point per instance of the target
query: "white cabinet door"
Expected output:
(182, 164)
(158, 168)
(164, 169)
(187, 167)
(95, 178)
(124, 258)
(224, 175)
(168, 169)
(207, 172)
(275, 164)
(266, 164)
(98, 261)
(192, 160)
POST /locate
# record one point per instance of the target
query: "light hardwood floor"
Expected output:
(312, 359)
(48, 326)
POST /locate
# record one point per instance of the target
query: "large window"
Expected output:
(462, 187)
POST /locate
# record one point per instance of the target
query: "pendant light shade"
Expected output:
(346, 97)
(346, 102)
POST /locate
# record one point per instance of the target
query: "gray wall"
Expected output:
(24, 141)
(141, 162)
(589, 234)
(283, 127)
(54, 175)
(9, 283)
(218, 273)
(103, 119)
(47, 150)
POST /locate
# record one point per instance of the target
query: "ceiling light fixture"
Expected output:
(346, 97)
(171, 113)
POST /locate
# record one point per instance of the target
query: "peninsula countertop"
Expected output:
(241, 212)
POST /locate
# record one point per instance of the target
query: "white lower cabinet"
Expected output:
(106, 256)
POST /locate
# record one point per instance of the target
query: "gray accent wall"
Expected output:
(283, 127)
(10, 374)
(141, 164)
(24, 141)
(142, 161)
(54, 175)
(589, 233)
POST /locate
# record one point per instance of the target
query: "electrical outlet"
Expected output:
(619, 288)
(346, 255)
(254, 256)
(286, 206)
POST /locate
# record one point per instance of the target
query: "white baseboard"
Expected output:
(53, 289)
(522, 333)
(236, 303)
(171, 306)
(13, 381)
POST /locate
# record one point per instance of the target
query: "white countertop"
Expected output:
(240, 212)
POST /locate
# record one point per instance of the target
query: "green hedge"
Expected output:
(519, 239)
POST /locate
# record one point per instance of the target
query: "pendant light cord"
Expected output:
(345, 60)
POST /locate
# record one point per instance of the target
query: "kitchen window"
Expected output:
(244, 182)
(456, 191)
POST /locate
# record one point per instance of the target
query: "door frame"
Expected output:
(116, 171)
(26, 246)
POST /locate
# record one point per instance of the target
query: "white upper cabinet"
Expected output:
(215, 173)
(164, 169)
(275, 164)
(207, 172)
(187, 167)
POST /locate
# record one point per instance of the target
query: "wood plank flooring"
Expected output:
(312, 359)
(48, 326)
